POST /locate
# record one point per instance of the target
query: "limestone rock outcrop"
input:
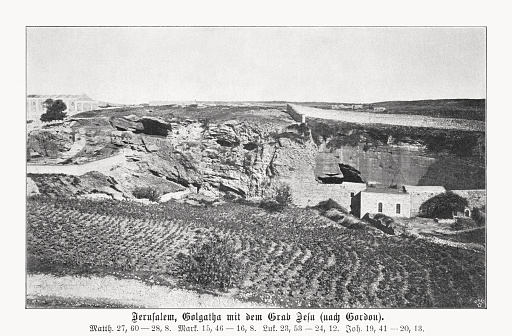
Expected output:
(155, 126)
(124, 124)
(58, 185)
(238, 158)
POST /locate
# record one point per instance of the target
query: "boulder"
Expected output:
(132, 117)
(181, 168)
(96, 196)
(150, 146)
(123, 124)
(174, 195)
(59, 185)
(49, 142)
(334, 214)
(155, 126)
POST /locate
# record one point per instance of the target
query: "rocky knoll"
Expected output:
(125, 124)
(89, 183)
(49, 142)
(243, 159)
(146, 124)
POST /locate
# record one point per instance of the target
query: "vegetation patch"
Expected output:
(150, 193)
(292, 258)
(280, 199)
(211, 264)
(443, 205)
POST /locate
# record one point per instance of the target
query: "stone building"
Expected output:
(388, 201)
(74, 103)
(399, 202)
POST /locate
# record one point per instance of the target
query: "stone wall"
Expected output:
(417, 199)
(292, 111)
(310, 193)
(476, 198)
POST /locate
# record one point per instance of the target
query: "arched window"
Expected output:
(467, 213)
(398, 208)
(380, 207)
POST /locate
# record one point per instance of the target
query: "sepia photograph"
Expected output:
(322, 167)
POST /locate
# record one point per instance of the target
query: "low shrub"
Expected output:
(150, 193)
(270, 205)
(211, 264)
(283, 195)
(279, 200)
(478, 216)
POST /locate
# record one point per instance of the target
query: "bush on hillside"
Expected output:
(211, 264)
(150, 193)
(281, 198)
(283, 195)
(478, 216)
(443, 205)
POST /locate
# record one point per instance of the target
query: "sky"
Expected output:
(333, 64)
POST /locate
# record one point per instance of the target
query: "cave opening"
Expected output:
(226, 143)
(348, 174)
(331, 179)
(250, 146)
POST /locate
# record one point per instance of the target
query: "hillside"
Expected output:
(216, 168)
(471, 109)
(294, 259)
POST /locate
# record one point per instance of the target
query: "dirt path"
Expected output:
(126, 292)
(390, 119)
(102, 166)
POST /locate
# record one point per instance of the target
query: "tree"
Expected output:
(54, 110)
(443, 205)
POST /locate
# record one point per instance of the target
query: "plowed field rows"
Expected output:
(292, 259)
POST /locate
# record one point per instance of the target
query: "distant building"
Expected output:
(74, 103)
(340, 106)
(380, 109)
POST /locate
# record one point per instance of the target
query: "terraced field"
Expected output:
(293, 259)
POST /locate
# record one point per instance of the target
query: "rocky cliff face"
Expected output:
(240, 158)
(244, 159)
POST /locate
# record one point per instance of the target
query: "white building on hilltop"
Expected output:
(74, 103)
